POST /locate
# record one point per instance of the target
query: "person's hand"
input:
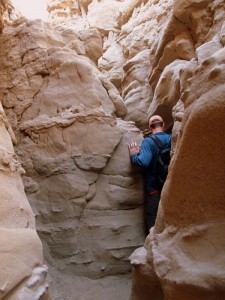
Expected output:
(133, 148)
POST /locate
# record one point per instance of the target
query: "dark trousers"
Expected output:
(151, 208)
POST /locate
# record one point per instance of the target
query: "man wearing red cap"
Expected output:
(146, 158)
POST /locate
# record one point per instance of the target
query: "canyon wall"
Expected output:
(23, 275)
(72, 142)
(183, 256)
(75, 92)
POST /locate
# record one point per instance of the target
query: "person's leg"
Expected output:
(151, 208)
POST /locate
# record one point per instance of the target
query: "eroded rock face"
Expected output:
(130, 30)
(20, 249)
(4, 4)
(163, 57)
(86, 196)
(183, 248)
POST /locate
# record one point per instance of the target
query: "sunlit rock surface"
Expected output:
(72, 142)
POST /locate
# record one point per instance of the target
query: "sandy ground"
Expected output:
(69, 287)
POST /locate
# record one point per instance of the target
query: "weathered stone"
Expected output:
(167, 92)
(20, 248)
(92, 41)
(163, 57)
(137, 92)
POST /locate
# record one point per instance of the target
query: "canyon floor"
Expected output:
(68, 287)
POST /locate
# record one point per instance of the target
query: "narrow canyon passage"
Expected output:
(76, 86)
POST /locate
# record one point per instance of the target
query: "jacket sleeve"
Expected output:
(144, 158)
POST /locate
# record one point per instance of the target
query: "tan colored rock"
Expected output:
(209, 99)
(137, 92)
(84, 3)
(70, 142)
(190, 223)
(137, 37)
(92, 42)
(177, 113)
(103, 15)
(168, 91)
(206, 50)
(143, 276)
(111, 63)
(62, 9)
(176, 45)
(35, 288)
(3, 7)
(141, 23)
(182, 248)
(196, 15)
(39, 74)
(144, 29)
(164, 57)
(222, 35)
(120, 106)
(85, 196)
(20, 249)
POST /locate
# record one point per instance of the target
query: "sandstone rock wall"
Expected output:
(130, 31)
(183, 254)
(72, 142)
(65, 90)
(23, 275)
(4, 6)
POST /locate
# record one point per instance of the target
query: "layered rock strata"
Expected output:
(23, 275)
(72, 142)
(20, 248)
(164, 57)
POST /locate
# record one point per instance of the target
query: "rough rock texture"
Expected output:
(20, 247)
(130, 29)
(4, 8)
(23, 275)
(86, 196)
(65, 90)
(63, 9)
(183, 255)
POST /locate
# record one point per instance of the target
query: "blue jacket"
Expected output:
(147, 158)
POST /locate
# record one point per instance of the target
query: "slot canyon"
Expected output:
(75, 88)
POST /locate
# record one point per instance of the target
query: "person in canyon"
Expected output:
(146, 157)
